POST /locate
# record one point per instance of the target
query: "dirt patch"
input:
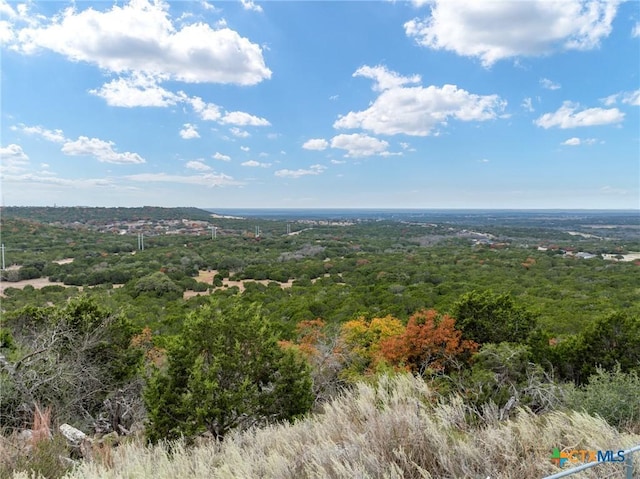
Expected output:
(207, 277)
(37, 283)
(64, 261)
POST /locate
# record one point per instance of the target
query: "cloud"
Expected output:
(255, 164)
(313, 170)
(206, 111)
(136, 90)
(220, 157)
(6, 10)
(56, 136)
(249, 5)
(417, 110)
(208, 179)
(241, 118)
(338, 162)
(577, 141)
(628, 97)
(318, 144)
(141, 37)
(493, 31)
(198, 166)
(385, 79)
(245, 148)
(549, 85)
(101, 150)
(568, 116)
(143, 90)
(13, 159)
(572, 141)
(239, 133)
(359, 145)
(207, 6)
(189, 132)
(635, 32)
(527, 104)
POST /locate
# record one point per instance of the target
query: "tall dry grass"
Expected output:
(395, 429)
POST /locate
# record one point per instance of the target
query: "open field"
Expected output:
(37, 283)
(207, 277)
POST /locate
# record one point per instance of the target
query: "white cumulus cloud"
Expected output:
(549, 85)
(250, 5)
(141, 37)
(628, 97)
(569, 116)
(56, 136)
(417, 110)
(318, 144)
(241, 118)
(13, 159)
(359, 145)
(220, 157)
(206, 111)
(101, 150)
(578, 141)
(255, 164)
(384, 78)
(189, 132)
(239, 133)
(496, 30)
(572, 141)
(136, 90)
(197, 165)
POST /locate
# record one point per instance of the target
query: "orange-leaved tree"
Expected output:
(430, 341)
(360, 341)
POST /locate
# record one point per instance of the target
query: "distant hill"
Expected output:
(93, 215)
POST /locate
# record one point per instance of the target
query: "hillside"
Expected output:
(162, 329)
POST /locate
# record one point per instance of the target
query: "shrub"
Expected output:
(613, 395)
(226, 371)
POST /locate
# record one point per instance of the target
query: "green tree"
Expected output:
(486, 317)
(226, 370)
(158, 284)
(609, 342)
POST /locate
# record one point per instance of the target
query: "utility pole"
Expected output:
(141, 241)
(257, 232)
(2, 248)
(214, 231)
(288, 228)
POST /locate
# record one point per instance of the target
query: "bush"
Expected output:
(613, 395)
(486, 317)
(226, 371)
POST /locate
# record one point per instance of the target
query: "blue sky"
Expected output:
(423, 104)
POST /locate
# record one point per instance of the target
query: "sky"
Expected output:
(510, 104)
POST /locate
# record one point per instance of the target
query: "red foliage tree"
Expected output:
(430, 341)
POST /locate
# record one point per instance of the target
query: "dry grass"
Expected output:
(396, 429)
